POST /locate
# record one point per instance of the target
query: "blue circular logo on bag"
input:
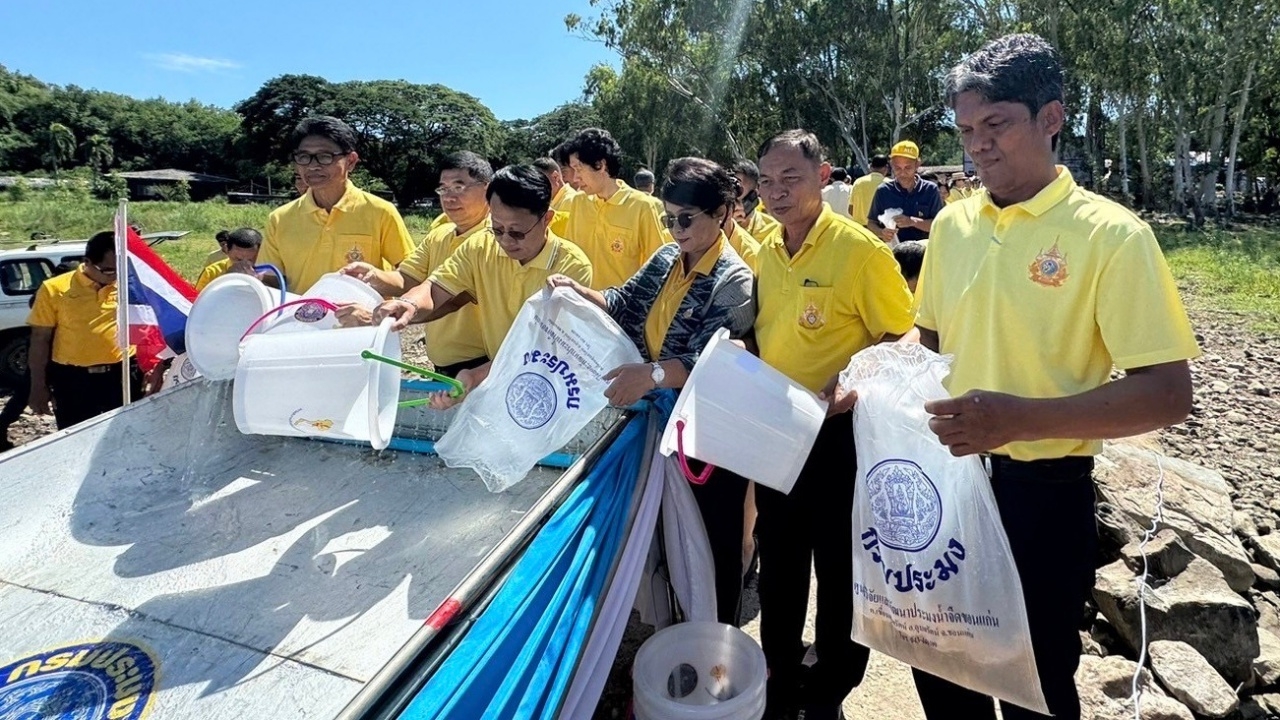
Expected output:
(905, 503)
(187, 371)
(531, 400)
(94, 681)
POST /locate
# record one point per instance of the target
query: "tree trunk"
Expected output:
(1124, 150)
(1144, 158)
(1237, 122)
(1179, 158)
(1213, 156)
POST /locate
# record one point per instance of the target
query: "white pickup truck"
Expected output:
(21, 273)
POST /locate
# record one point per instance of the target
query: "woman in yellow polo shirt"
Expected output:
(670, 309)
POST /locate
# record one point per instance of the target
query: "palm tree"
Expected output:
(98, 153)
(62, 146)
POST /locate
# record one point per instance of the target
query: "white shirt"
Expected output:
(837, 196)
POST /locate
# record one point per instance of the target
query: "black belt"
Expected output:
(1072, 464)
(94, 369)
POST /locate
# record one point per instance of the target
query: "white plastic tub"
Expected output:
(740, 414)
(219, 316)
(317, 385)
(724, 677)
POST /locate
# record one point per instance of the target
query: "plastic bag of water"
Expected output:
(935, 584)
(544, 387)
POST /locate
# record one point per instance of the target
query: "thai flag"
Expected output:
(157, 301)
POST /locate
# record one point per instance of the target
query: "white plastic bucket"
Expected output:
(336, 288)
(738, 413)
(723, 677)
(317, 385)
(219, 316)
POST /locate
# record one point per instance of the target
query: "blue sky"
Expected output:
(514, 55)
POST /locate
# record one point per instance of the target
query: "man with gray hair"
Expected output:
(1038, 288)
(644, 181)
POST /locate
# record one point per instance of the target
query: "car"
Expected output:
(22, 271)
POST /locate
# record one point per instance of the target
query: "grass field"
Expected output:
(1237, 271)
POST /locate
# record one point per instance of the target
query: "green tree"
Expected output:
(98, 153)
(60, 146)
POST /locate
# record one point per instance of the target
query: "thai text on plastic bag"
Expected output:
(934, 580)
(544, 387)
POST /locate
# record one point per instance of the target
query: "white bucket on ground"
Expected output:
(219, 316)
(336, 288)
(699, 671)
(317, 385)
(742, 415)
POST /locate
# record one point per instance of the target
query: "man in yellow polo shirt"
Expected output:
(498, 272)
(242, 246)
(1038, 289)
(74, 359)
(334, 223)
(617, 226)
(826, 288)
(864, 191)
(454, 343)
(756, 221)
(561, 192)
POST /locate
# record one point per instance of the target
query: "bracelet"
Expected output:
(408, 302)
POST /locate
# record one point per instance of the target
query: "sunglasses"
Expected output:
(515, 235)
(684, 220)
(104, 270)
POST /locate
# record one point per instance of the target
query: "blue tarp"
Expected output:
(520, 656)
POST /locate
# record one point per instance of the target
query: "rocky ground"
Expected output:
(1213, 604)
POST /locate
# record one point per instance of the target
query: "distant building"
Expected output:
(150, 184)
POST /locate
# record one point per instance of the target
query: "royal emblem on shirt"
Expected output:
(617, 245)
(1050, 267)
(355, 254)
(812, 317)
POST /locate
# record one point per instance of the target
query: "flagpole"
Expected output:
(122, 297)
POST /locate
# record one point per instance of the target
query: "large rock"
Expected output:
(1105, 686)
(1266, 548)
(1267, 604)
(1197, 504)
(1267, 664)
(1270, 703)
(1196, 607)
(1189, 678)
(1166, 555)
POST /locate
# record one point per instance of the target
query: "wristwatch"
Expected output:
(657, 374)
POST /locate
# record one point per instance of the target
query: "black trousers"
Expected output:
(453, 370)
(16, 404)
(720, 502)
(813, 523)
(1047, 509)
(80, 393)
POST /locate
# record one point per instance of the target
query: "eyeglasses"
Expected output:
(320, 158)
(446, 190)
(683, 219)
(515, 235)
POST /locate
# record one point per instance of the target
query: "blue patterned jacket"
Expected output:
(722, 299)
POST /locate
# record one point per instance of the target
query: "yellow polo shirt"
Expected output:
(456, 337)
(83, 318)
(1041, 299)
(618, 235)
(305, 241)
(864, 191)
(667, 304)
(566, 194)
(213, 272)
(841, 292)
(760, 225)
(500, 285)
(747, 247)
(438, 220)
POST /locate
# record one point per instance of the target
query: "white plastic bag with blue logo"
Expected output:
(544, 387)
(934, 581)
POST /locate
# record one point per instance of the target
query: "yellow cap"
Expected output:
(905, 149)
